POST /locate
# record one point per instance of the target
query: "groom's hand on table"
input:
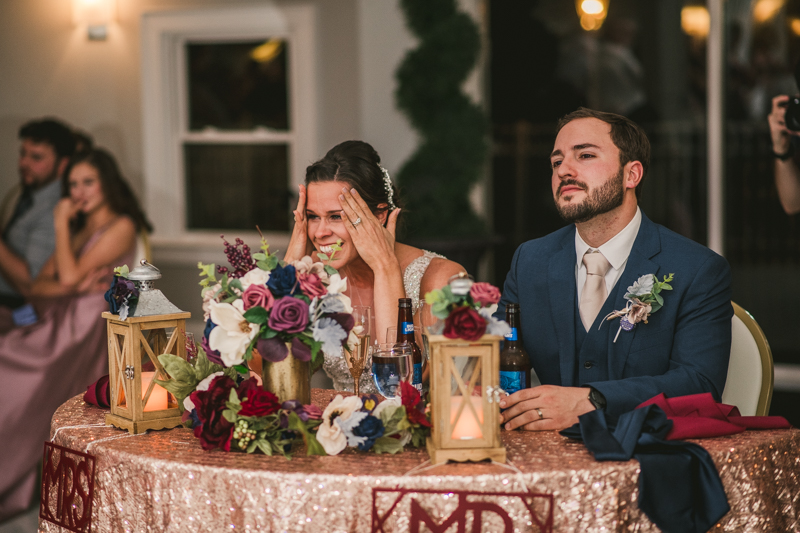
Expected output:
(560, 407)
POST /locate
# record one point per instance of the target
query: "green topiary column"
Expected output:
(437, 178)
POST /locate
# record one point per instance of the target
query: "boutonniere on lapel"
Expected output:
(644, 299)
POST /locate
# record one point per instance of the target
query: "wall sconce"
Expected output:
(592, 13)
(96, 15)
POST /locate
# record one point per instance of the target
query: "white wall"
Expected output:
(49, 67)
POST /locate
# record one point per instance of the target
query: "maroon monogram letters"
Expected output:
(531, 510)
(67, 488)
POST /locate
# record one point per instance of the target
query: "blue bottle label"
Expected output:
(408, 327)
(417, 380)
(511, 382)
(513, 335)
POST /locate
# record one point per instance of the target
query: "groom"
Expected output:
(568, 282)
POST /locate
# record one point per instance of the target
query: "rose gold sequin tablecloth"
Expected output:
(164, 481)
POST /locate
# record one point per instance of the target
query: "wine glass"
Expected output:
(357, 358)
(391, 364)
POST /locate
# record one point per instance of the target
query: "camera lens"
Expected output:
(792, 117)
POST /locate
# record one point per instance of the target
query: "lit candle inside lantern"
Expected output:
(158, 398)
(466, 427)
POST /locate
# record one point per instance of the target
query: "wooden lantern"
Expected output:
(465, 391)
(155, 327)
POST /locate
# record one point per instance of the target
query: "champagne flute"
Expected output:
(391, 364)
(426, 320)
(357, 358)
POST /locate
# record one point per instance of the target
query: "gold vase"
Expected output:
(288, 380)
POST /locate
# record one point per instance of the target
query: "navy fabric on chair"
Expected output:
(679, 486)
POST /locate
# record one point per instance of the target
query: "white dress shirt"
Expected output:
(616, 251)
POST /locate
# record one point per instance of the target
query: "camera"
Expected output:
(792, 117)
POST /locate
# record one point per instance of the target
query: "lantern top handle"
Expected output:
(144, 272)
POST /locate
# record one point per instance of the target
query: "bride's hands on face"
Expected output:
(373, 241)
(299, 245)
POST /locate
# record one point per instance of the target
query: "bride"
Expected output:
(349, 196)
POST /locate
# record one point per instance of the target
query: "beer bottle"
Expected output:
(405, 333)
(515, 367)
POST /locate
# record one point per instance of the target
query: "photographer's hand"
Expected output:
(781, 135)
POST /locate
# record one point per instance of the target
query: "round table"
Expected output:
(164, 481)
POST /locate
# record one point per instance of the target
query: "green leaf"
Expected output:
(259, 256)
(387, 445)
(256, 315)
(178, 369)
(267, 333)
(251, 447)
(122, 271)
(233, 397)
(229, 415)
(322, 256)
(655, 306)
(666, 286)
(262, 265)
(270, 263)
(330, 270)
(659, 299)
(236, 284)
(264, 446)
(241, 369)
(313, 445)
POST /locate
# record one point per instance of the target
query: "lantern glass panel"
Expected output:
(466, 402)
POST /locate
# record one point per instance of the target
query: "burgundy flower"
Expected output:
(464, 323)
(410, 398)
(259, 402)
(214, 431)
(311, 285)
(257, 295)
(484, 293)
(289, 315)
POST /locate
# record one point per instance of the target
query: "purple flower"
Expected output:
(122, 291)
(292, 405)
(289, 315)
(283, 281)
(212, 355)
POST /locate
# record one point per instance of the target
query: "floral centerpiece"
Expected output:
(263, 304)
(228, 412)
(123, 294)
(466, 309)
(279, 310)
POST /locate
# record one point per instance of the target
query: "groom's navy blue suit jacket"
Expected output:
(683, 349)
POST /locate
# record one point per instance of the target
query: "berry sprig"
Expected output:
(243, 434)
(239, 257)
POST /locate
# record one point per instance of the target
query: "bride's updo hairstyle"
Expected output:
(357, 164)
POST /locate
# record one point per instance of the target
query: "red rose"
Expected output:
(464, 323)
(214, 431)
(311, 285)
(259, 402)
(410, 398)
(257, 295)
(484, 293)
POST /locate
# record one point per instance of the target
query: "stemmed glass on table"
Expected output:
(357, 360)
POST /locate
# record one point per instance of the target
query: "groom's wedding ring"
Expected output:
(541, 416)
(357, 222)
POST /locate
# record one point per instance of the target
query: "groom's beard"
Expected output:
(602, 200)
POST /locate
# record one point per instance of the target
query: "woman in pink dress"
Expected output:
(45, 363)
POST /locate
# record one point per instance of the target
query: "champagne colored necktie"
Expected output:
(594, 290)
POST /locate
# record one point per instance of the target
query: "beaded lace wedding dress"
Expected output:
(336, 367)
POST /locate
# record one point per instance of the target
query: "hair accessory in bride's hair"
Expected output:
(387, 184)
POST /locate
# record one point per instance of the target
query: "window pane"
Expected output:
(237, 186)
(640, 61)
(238, 86)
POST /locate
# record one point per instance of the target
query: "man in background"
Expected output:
(27, 237)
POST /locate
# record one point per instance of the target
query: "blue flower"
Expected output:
(283, 281)
(372, 429)
(122, 291)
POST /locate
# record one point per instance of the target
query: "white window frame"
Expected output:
(165, 109)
